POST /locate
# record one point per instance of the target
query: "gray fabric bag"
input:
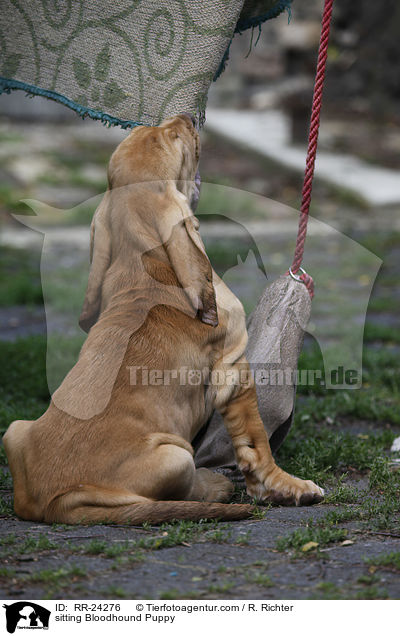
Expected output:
(276, 332)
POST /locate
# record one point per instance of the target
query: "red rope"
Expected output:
(312, 146)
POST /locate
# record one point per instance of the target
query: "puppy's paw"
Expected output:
(285, 490)
(210, 486)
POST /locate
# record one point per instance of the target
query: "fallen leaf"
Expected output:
(347, 542)
(309, 546)
(188, 545)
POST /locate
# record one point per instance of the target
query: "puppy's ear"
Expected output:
(100, 258)
(189, 260)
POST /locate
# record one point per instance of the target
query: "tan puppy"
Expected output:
(114, 446)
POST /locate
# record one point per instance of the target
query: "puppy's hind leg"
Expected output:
(157, 488)
(209, 486)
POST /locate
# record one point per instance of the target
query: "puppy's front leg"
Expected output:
(264, 479)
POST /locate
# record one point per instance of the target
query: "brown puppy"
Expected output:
(114, 445)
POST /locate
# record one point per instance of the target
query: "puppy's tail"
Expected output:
(91, 504)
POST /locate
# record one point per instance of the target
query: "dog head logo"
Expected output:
(344, 284)
(26, 615)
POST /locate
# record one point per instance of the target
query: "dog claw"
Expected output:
(309, 499)
(280, 499)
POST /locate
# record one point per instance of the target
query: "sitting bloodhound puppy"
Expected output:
(115, 442)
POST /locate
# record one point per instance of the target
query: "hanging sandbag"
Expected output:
(276, 330)
(124, 62)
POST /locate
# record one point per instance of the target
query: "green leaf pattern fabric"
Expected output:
(130, 61)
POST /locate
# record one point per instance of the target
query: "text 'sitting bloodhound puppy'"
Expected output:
(113, 446)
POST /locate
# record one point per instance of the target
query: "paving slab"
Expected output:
(268, 133)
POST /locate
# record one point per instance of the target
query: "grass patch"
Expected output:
(368, 579)
(19, 277)
(175, 594)
(299, 537)
(65, 289)
(10, 198)
(391, 560)
(381, 304)
(9, 539)
(41, 544)
(377, 400)
(115, 591)
(111, 551)
(382, 478)
(74, 177)
(378, 511)
(57, 577)
(382, 333)
(166, 536)
(343, 494)
(23, 386)
(5, 480)
(326, 590)
(316, 448)
(7, 136)
(228, 203)
(6, 506)
(186, 532)
(375, 514)
(257, 578)
(371, 593)
(316, 451)
(7, 573)
(37, 545)
(243, 539)
(220, 588)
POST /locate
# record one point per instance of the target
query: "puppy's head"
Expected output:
(169, 152)
(167, 156)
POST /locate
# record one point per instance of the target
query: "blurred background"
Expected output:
(252, 164)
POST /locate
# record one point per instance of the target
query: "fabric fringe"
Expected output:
(252, 23)
(248, 23)
(8, 85)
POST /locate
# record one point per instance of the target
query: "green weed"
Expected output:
(7, 573)
(390, 560)
(220, 588)
(115, 591)
(243, 539)
(41, 544)
(19, 277)
(258, 579)
(321, 535)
